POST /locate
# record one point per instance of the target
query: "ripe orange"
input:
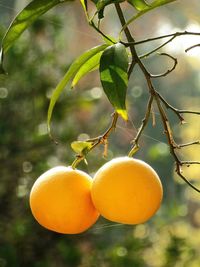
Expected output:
(60, 200)
(127, 190)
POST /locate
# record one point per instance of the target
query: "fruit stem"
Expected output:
(102, 139)
(133, 150)
(78, 159)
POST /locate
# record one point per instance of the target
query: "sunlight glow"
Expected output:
(181, 43)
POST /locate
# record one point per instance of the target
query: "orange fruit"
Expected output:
(60, 200)
(127, 190)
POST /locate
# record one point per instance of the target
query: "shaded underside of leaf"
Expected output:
(114, 77)
(74, 68)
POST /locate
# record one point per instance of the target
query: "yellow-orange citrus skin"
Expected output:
(127, 190)
(60, 200)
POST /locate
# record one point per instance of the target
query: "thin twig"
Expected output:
(112, 126)
(141, 128)
(101, 139)
(153, 117)
(92, 24)
(178, 111)
(168, 106)
(191, 47)
(179, 172)
(169, 70)
(189, 144)
(190, 163)
(188, 111)
(174, 35)
(167, 128)
(157, 48)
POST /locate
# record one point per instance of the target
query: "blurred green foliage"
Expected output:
(35, 64)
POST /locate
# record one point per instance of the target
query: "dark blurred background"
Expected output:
(35, 64)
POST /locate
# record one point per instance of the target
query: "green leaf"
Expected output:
(139, 4)
(153, 5)
(114, 77)
(74, 68)
(81, 147)
(84, 5)
(25, 18)
(88, 66)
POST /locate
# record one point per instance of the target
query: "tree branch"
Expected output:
(158, 98)
(173, 35)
